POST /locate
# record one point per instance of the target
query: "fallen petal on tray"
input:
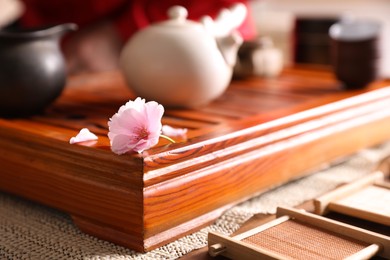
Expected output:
(83, 136)
(174, 132)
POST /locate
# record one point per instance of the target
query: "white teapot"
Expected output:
(182, 63)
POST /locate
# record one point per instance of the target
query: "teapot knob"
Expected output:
(178, 13)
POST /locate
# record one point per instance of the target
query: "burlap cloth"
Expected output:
(32, 231)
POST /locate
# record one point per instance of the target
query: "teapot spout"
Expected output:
(61, 29)
(56, 31)
(229, 46)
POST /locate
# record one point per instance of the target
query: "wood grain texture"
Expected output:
(259, 134)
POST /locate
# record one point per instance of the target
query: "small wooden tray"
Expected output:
(367, 198)
(261, 133)
(300, 235)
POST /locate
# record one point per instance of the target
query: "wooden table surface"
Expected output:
(260, 133)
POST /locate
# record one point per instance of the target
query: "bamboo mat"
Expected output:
(31, 231)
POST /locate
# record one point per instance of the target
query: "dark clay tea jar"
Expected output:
(355, 53)
(32, 69)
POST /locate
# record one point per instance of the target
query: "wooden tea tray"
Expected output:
(259, 134)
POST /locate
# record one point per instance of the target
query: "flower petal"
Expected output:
(154, 113)
(145, 144)
(170, 131)
(82, 136)
(120, 144)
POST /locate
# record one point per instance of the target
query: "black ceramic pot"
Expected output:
(355, 53)
(32, 69)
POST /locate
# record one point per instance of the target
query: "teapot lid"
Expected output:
(177, 17)
(226, 21)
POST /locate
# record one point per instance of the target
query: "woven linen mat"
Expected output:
(31, 231)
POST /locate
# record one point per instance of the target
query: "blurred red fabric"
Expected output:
(128, 16)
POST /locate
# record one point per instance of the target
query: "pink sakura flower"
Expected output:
(136, 126)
